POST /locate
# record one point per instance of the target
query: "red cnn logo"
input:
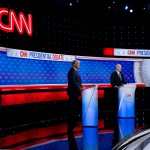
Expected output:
(21, 23)
(128, 95)
(131, 52)
(23, 54)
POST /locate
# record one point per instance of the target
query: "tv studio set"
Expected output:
(74, 75)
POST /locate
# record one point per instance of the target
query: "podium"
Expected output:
(90, 118)
(126, 100)
(126, 110)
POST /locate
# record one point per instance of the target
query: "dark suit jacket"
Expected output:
(115, 79)
(74, 82)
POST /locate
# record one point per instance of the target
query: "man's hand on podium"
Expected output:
(81, 89)
(116, 87)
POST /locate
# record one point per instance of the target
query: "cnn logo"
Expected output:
(19, 22)
(131, 52)
(128, 95)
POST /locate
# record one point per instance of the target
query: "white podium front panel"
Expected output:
(126, 100)
(90, 106)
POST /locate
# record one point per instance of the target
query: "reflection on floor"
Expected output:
(104, 140)
(55, 137)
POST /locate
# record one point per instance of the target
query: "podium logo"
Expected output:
(13, 21)
(128, 95)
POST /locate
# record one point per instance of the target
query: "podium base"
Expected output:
(88, 142)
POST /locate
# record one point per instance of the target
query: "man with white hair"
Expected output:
(117, 77)
(116, 80)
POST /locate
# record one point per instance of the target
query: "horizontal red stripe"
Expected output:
(63, 86)
(29, 97)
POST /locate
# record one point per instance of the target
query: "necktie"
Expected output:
(120, 76)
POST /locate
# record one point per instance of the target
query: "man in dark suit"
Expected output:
(116, 80)
(117, 77)
(74, 104)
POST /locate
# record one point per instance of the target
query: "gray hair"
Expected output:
(74, 61)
